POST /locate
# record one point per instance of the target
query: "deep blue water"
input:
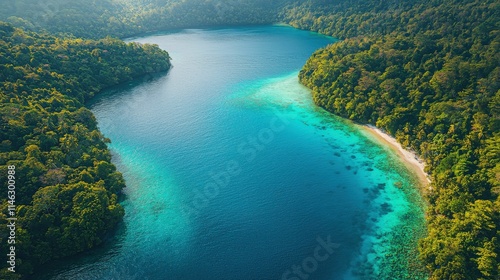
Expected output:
(233, 173)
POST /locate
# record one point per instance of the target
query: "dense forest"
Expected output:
(427, 72)
(122, 18)
(67, 189)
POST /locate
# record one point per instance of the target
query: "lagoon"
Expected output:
(233, 173)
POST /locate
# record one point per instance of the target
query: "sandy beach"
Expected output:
(412, 161)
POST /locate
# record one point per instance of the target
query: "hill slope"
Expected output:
(122, 18)
(67, 189)
(428, 73)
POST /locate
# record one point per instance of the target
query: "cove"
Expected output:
(233, 173)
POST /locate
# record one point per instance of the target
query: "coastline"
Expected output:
(410, 159)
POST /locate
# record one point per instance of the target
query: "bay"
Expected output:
(233, 173)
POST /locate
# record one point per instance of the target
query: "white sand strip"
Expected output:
(408, 157)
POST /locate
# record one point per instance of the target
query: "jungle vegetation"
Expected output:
(427, 72)
(67, 189)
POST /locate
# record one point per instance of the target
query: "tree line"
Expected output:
(123, 18)
(428, 73)
(67, 189)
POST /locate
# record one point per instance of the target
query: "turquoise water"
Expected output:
(233, 173)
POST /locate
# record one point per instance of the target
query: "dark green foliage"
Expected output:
(150, 15)
(66, 186)
(97, 19)
(88, 18)
(428, 73)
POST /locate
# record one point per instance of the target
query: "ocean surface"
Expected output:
(233, 173)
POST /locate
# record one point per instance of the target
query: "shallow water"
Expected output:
(233, 173)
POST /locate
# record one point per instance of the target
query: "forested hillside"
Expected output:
(429, 74)
(122, 18)
(151, 15)
(67, 189)
(83, 18)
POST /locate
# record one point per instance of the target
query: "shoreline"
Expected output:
(410, 159)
